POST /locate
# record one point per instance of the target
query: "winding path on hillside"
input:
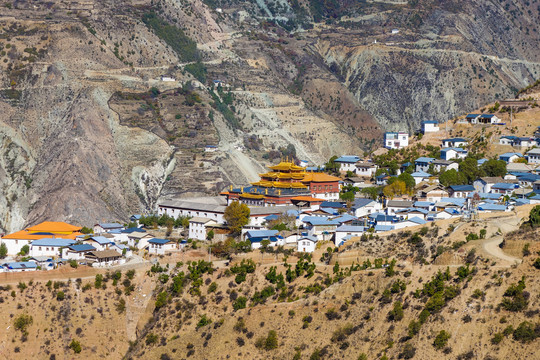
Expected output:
(492, 247)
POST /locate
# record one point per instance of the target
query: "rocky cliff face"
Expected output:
(90, 133)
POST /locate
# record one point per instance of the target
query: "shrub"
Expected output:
(75, 346)
(212, 288)
(408, 352)
(98, 282)
(240, 325)
(536, 263)
(332, 314)
(130, 274)
(60, 296)
(121, 306)
(22, 322)
(151, 339)
(161, 300)
(396, 314)
(203, 321)
(441, 340)
(515, 298)
(414, 328)
(271, 341)
(497, 338)
(240, 303)
(526, 332)
(73, 264)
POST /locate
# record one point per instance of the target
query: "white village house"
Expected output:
(161, 246)
(396, 140)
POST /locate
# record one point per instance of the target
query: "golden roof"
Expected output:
(320, 177)
(279, 184)
(54, 227)
(286, 166)
(252, 196)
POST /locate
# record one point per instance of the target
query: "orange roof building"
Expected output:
(285, 182)
(46, 229)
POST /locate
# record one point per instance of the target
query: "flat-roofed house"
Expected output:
(161, 246)
(76, 251)
(198, 227)
(533, 156)
(49, 246)
(104, 258)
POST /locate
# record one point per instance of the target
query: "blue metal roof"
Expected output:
(455, 140)
(417, 220)
(473, 115)
(361, 202)
(462, 187)
(424, 159)
(345, 218)
(132, 230)
(384, 217)
(332, 204)
(491, 196)
(423, 204)
(159, 241)
(308, 237)
(347, 159)
(481, 161)
(455, 201)
(350, 228)
(100, 240)
(81, 247)
(110, 225)
(421, 174)
(508, 155)
(384, 227)
(54, 242)
(329, 211)
(505, 186)
(430, 122)
(492, 207)
(21, 265)
(271, 217)
(456, 149)
(487, 116)
(261, 233)
(318, 220)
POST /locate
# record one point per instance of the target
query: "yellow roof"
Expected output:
(320, 177)
(252, 196)
(25, 235)
(285, 165)
(54, 227)
(307, 198)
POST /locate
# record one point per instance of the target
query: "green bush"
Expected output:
(161, 300)
(240, 303)
(212, 288)
(396, 314)
(60, 296)
(536, 263)
(271, 341)
(497, 338)
(151, 339)
(75, 346)
(441, 339)
(203, 321)
(526, 332)
(22, 322)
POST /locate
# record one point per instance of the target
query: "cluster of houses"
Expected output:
(318, 218)
(49, 244)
